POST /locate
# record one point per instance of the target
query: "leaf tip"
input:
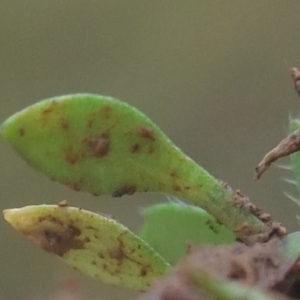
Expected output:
(12, 216)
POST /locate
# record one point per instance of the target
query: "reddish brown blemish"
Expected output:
(49, 109)
(59, 241)
(135, 148)
(117, 254)
(176, 188)
(22, 131)
(51, 219)
(64, 124)
(124, 190)
(143, 271)
(173, 173)
(106, 111)
(70, 156)
(98, 145)
(87, 240)
(146, 133)
(150, 149)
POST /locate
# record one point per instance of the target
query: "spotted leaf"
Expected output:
(91, 243)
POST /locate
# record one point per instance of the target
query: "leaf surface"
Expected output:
(291, 245)
(170, 227)
(91, 243)
(295, 157)
(101, 145)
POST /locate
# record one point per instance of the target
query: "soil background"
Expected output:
(213, 74)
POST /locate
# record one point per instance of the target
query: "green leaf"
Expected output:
(291, 245)
(170, 227)
(295, 157)
(91, 243)
(104, 146)
(291, 242)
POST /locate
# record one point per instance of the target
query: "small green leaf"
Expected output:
(104, 146)
(291, 242)
(170, 227)
(91, 243)
(295, 157)
(291, 245)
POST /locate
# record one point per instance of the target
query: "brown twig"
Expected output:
(288, 145)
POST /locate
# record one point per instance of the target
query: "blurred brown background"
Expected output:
(213, 74)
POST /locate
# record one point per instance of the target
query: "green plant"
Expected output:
(102, 146)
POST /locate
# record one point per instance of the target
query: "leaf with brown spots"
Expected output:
(104, 146)
(91, 243)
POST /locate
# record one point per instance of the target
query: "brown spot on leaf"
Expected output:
(22, 131)
(117, 254)
(176, 188)
(91, 122)
(122, 253)
(56, 237)
(173, 173)
(106, 111)
(146, 133)
(49, 109)
(70, 156)
(64, 124)
(99, 145)
(135, 148)
(60, 243)
(211, 226)
(87, 240)
(144, 270)
(150, 149)
(124, 190)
